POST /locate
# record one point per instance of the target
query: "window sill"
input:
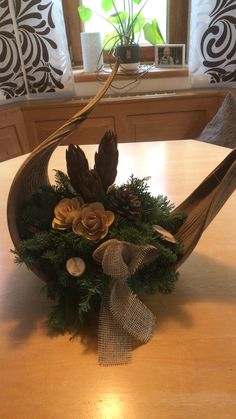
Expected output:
(143, 73)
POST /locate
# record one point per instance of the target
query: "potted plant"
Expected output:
(127, 24)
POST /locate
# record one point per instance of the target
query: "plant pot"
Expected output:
(129, 56)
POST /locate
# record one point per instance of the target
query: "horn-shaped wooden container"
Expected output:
(201, 206)
(33, 174)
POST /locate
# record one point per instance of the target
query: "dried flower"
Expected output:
(65, 212)
(93, 221)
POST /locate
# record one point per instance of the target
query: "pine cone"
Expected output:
(126, 204)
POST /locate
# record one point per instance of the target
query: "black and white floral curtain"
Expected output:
(212, 49)
(34, 57)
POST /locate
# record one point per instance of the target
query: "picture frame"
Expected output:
(170, 55)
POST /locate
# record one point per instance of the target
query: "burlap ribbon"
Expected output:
(123, 316)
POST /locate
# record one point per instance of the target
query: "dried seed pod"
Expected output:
(86, 182)
(106, 159)
(75, 266)
(164, 234)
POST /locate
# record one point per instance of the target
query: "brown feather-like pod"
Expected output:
(85, 182)
(106, 159)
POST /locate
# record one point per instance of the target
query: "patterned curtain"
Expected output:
(34, 57)
(212, 49)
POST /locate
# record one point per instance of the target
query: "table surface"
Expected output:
(187, 370)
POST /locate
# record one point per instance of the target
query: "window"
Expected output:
(97, 24)
(176, 33)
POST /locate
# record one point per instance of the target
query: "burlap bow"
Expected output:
(122, 314)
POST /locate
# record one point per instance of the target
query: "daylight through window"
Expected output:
(172, 17)
(152, 10)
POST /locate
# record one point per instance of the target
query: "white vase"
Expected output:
(91, 51)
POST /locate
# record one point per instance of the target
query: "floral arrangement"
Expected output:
(99, 245)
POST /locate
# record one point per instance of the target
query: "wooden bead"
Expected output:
(75, 266)
(164, 234)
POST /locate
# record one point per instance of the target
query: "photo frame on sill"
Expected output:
(170, 55)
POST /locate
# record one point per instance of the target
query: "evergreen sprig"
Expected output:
(155, 210)
(63, 185)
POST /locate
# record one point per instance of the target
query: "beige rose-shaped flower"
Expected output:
(93, 221)
(65, 212)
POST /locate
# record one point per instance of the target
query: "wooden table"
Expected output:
(188, 370)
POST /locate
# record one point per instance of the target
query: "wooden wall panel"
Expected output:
(166, 126)
(165, 117)
(13, 139)
(90, 131)
(9, 143)
(170, 119)
(42, 119)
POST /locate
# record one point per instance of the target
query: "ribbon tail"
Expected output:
(130, 313)
(122, 317)
(114, 343)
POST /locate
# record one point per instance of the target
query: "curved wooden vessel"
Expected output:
(203, 204)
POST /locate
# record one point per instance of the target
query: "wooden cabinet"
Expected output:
(13, 138)
(41, 122)
(166, 126)
(174, 116)
(164, 117)
(178, 117)
(9, 143)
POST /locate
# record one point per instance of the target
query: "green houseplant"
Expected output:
(127, 24)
